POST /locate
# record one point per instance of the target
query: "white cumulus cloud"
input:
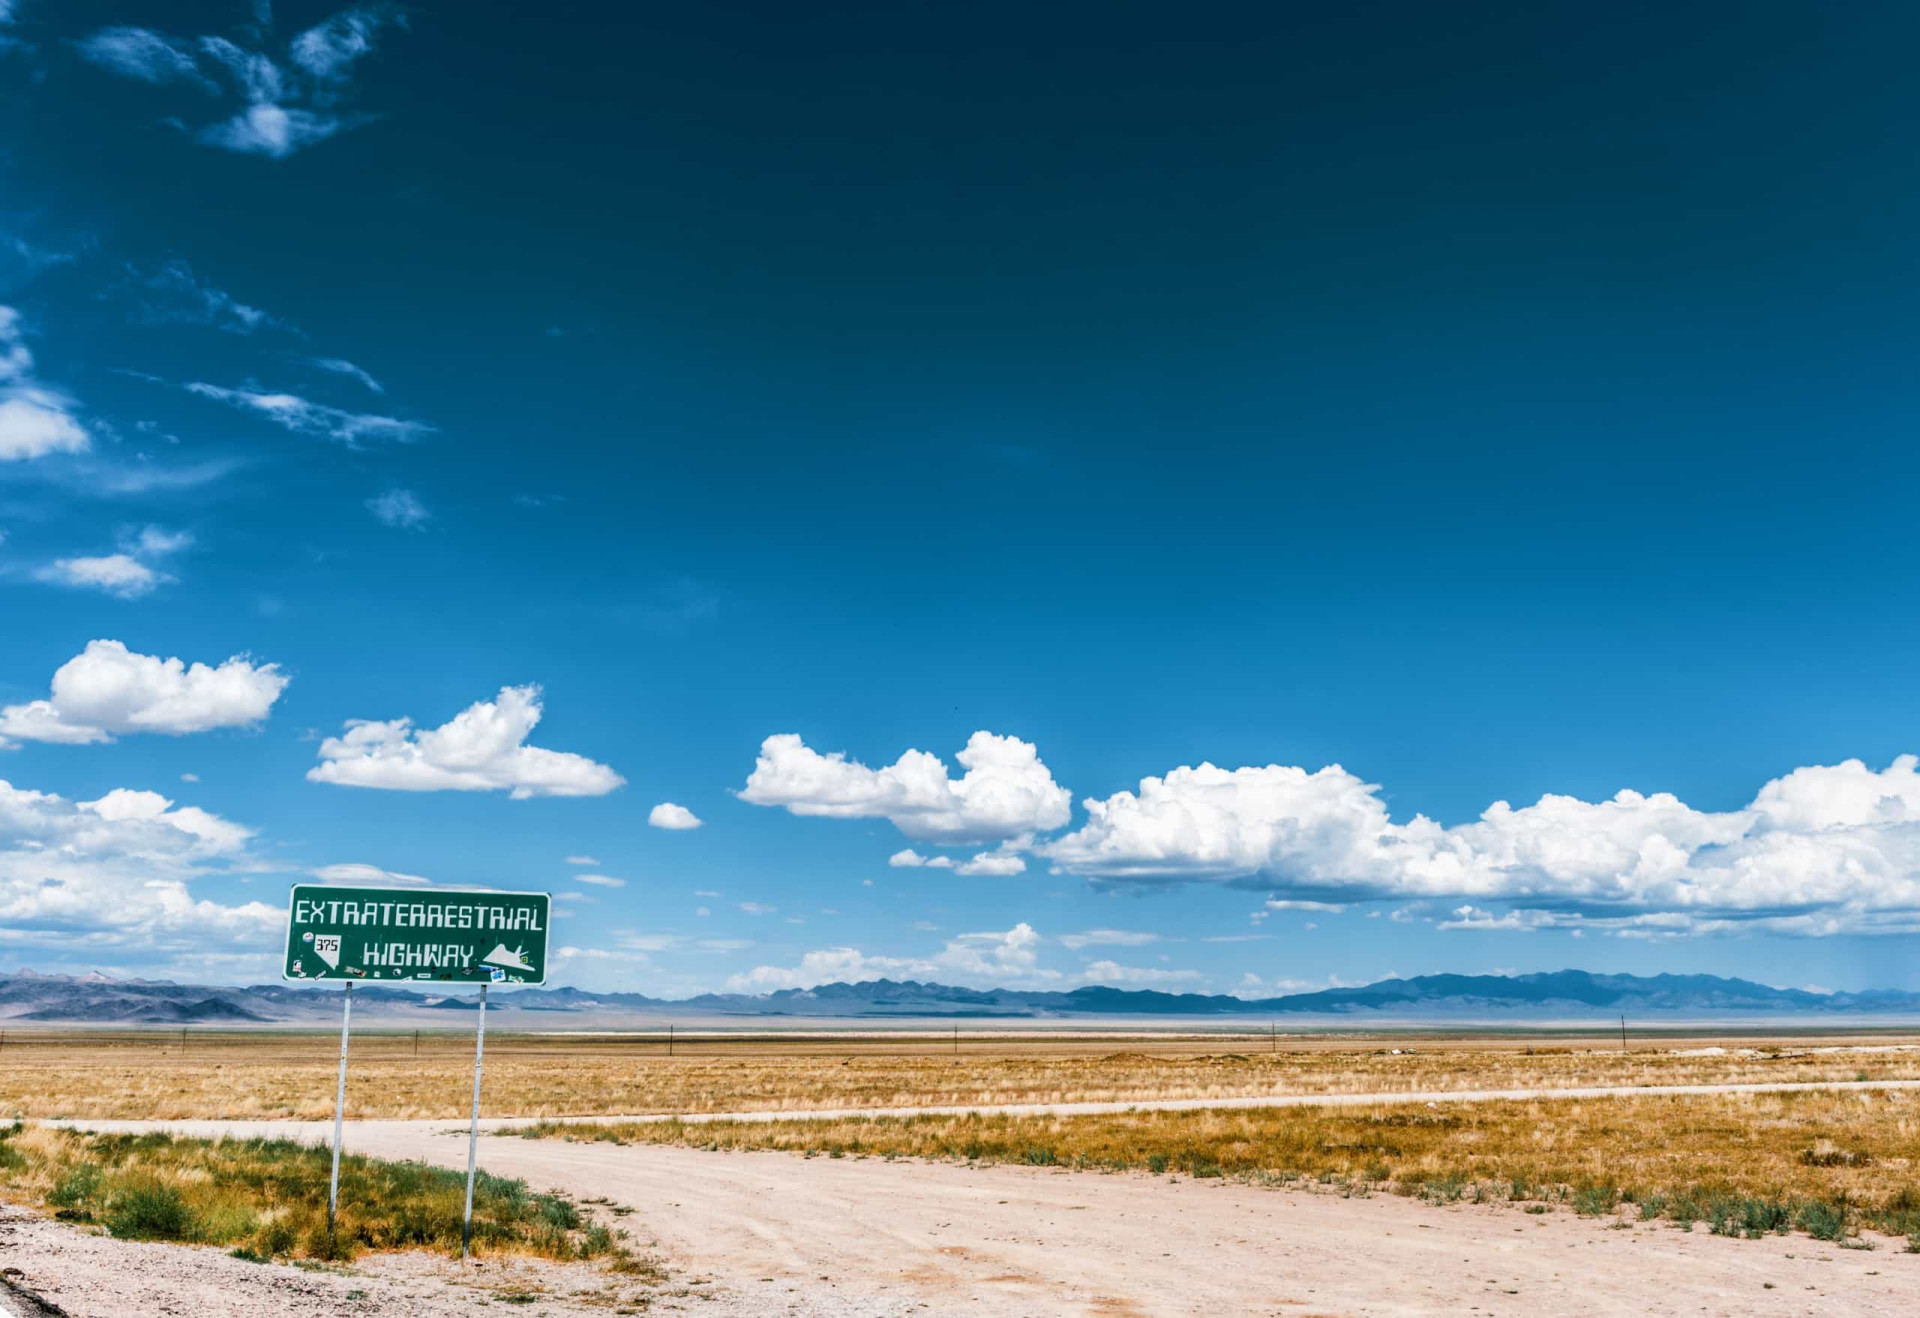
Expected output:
(1008, 957)
(911, 859)
(1006, 793)
(994, 864)
(669, 815)
(108, 690)
(116, 873)
(481, 749)
(1822, 849)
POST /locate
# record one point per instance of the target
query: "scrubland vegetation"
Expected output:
(283, 1075)
(267, 1199)
(1830, 1164)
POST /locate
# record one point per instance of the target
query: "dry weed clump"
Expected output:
(1742, 1164)
(267, 1199)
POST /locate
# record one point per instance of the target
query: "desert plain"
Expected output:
(942, 1170)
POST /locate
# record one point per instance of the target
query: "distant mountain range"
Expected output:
(97, 999)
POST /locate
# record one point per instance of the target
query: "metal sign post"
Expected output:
(420, 937)
(339, 1105)
(473, 1131)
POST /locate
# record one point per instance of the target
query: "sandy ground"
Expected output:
(769, 1233)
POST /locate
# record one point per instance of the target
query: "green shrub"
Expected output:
(1595, 1200)
(558, 1213)
(149, 1210)
(73, 1194)
(1823, 1221)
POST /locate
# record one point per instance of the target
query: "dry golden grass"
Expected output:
(291, 1075)
(1743, 1163)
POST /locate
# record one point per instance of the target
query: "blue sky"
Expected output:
(1261, 439)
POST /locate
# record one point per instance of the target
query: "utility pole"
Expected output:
(1623, 1032)
(416, 1043)
(956, 1041)
(669, 1040)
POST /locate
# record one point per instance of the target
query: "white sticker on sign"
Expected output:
(327, 948)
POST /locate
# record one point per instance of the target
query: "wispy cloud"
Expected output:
(1107, 938)
(286, 106)
(35, 418)
(174, 295)
(329, 49)
(303, 417)
(128, 574)
(368, 876)
(341, 366)
(401, 509)
(119, 575)
(22, 258)
(139, 477)
(135, 52)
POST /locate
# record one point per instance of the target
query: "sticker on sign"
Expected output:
(444, 935)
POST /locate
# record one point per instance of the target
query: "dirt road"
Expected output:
(853, 1236)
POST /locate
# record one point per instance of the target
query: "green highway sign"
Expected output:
(441, 935)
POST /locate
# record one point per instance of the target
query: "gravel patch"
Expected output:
(86, 1274)
(92, 1275)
